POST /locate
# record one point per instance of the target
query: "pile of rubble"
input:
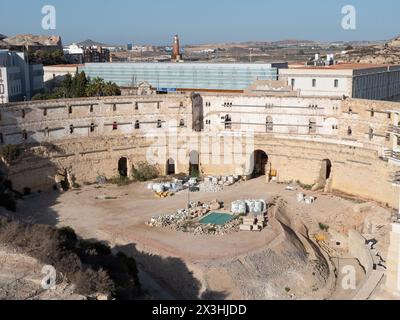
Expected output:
(217, 183)
(229, 228)
(187, 220)
(182, 216)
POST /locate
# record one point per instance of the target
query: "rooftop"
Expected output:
(343, 66)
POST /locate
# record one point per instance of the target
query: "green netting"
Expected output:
(216, 218)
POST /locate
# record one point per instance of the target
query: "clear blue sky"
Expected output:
(202, 21)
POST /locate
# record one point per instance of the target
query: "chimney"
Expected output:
(176, 52)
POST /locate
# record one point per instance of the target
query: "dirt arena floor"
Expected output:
(272, 264)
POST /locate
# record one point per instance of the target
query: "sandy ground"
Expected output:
(238, 266)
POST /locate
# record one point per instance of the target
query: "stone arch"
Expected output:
(259, 161)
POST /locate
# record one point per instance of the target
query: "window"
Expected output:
(71, 129)
(1, 138)
(92, 127)
(44, 112)
(137, 125)
(114, 107)
(159, 124)
(349, 131)
(69, 109)
(371, 133)
(336, 83)
(23, 113)
(293, 82)
(270, 124)
(228, 122)
(91, 108)
(136, 106)
(24, 135)
(314, 83)
(312, 126)
(115, 126)
(46, 131)
(182, 123)
(372, 112)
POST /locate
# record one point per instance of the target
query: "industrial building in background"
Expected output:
(19, 80)
(171, 77)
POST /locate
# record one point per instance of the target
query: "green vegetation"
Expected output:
(47, 57)
(304, 186)
(89, 265)
(144, 171)
(323, 227)
(80, 86)
(120, 181)
(9, 152)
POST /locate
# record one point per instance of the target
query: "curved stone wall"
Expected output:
(299, 136)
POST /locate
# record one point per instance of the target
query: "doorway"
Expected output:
(194, 164)
(260, 161)
(123, 167)
(170, 167)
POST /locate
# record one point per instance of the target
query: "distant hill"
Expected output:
(293, 42)
(2, 36)
(34, 40)
(91, 43)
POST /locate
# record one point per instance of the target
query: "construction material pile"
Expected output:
(254, 211)
(187, 220)
(229, 228)
(170, 188)
(196, 210)
(244, 207)
(302, 198)
(217, 184)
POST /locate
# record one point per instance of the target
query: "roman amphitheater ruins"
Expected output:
(334, 144)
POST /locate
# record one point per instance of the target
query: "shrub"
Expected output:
(120, 181)
(144, 172)
(323, 227)
(9, 152)
(90, 265)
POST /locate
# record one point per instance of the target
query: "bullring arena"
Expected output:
(342, 152)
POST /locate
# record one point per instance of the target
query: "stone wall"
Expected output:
(91, 135)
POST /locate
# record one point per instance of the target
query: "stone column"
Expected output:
(393, 261)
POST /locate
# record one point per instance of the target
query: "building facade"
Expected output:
(187, 76)
(374, 82)
(18, 79)
(349, 145)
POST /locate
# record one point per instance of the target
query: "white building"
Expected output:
(74, 54)
(363, 81)
(18, 79)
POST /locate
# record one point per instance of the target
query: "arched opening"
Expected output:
(194, 164)
(170, 167)
(328, 168)
(123, 167)
(260, 161)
